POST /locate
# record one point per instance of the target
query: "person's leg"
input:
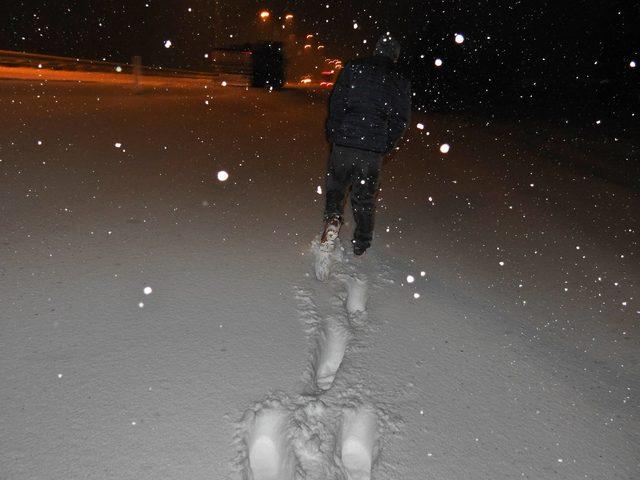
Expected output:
(363, 194)
(338, 180)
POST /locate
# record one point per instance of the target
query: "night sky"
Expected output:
(516, 51)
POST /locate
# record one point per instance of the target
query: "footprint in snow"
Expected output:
(325, 258)
(357, 293)
(270, 453)
(332, 341)
(359, 439)
(312, 438)
(279, 442)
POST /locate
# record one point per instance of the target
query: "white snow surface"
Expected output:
(241, 356)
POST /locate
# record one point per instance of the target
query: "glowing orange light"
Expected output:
(305, 80)
(264, 15)
(288, 16)
(310, 36)
(307, 46)
(320, 47)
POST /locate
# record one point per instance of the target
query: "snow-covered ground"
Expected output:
(510, 352)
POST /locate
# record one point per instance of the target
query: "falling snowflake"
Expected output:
(410, 279)
(147, 290)
(167, 44)
(223, 175)
(445, 147)
(420, 126)
(438, 62)
(117, 144)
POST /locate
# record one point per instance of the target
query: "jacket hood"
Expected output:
(389, 47)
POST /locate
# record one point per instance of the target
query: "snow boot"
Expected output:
(358, 250)
(330, 233)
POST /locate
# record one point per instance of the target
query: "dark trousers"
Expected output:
(359, 170)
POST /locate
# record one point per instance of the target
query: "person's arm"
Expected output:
(400, 114)
(338, 101)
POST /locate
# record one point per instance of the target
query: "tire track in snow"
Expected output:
(331, 430)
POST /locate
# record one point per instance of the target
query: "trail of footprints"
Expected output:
(311, 437)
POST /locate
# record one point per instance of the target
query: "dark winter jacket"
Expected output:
(370, 105)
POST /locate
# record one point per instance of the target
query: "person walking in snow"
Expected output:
(369, 111)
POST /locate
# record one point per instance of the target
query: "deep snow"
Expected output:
(512, 354)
